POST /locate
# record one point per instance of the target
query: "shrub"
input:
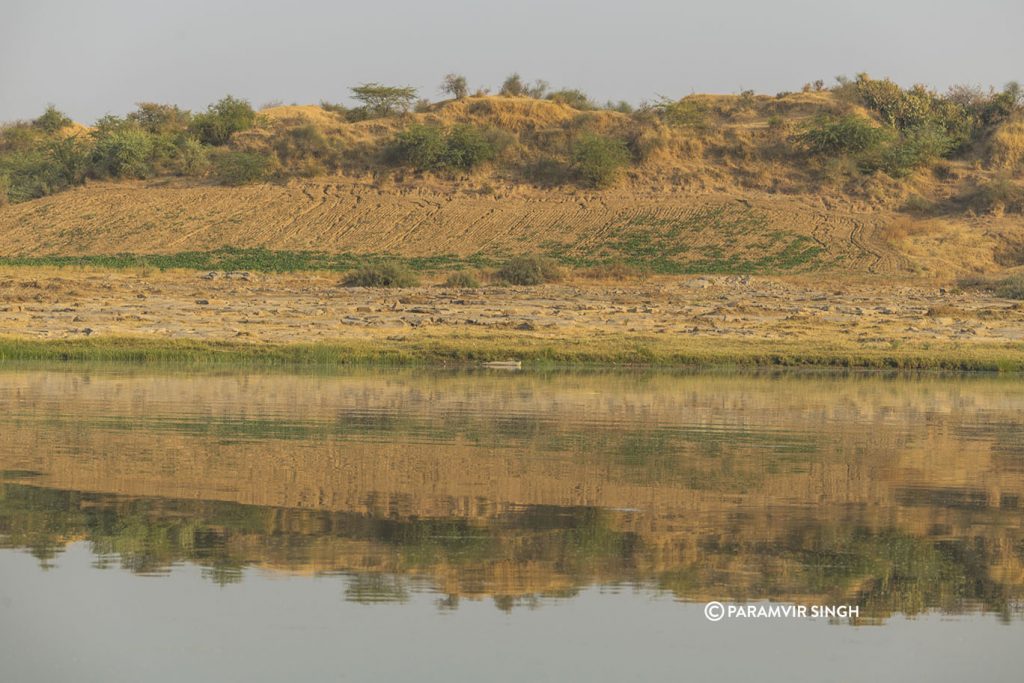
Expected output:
(684, 113)
(30, 174)
(467, 147)
(615, 270)
(1011, 287)
(515, 86)
(52, 120)
(547, 170)
(899, 108)
(303, 149)
(123, 153)
(915, 148)
(455, 85)
(596, 159)
(422, 147)
(239, 168)
(429, 148)
(577, 99)
(832, 136)
(384, 100)
(160, 118)
(528, 270)
(383, 275)
(333, 107)
(192, 159)
(71, 156)
(216, 125)
(998, 194)
(462, 280)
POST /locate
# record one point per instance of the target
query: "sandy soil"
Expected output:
(54, 303)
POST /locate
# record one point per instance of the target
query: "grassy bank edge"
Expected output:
(608, 350)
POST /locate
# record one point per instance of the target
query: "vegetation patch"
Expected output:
(382, 275)
(528, 271)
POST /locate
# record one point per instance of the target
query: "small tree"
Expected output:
(455, 85)
(384, 100)
(52, 120)
(513, 86)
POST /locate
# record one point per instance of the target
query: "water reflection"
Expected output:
(900, 495)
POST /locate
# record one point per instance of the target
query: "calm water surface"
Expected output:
(409, 525)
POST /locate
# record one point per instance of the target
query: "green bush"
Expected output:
(383, 275)
(216, 125)
(597, 159)
(917, 147)
(29, 175)
(429, 148)
(239, 168)
(71, 155)
(462, 280)
(467, 147)
(52, 120)
(192, 159)
(528, 270)
(850, 134)
(123, 153)
(422, 147)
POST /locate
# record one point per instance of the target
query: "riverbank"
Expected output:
(313, 319)
(430, 349)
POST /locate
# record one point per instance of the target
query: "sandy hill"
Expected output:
(725, 191)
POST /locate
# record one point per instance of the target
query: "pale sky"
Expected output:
(102, 56)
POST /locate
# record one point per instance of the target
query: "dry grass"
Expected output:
(1006, 147)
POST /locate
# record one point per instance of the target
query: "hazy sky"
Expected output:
(101, 56)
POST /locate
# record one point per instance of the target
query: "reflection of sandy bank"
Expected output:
(721, 481)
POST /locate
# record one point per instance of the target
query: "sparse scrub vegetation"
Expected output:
(462, 280)
(528, 271)
(382, 275)
(239, 168)
(866, 137)
(999, 194)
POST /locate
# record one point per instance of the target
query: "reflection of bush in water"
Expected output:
(884, 571)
